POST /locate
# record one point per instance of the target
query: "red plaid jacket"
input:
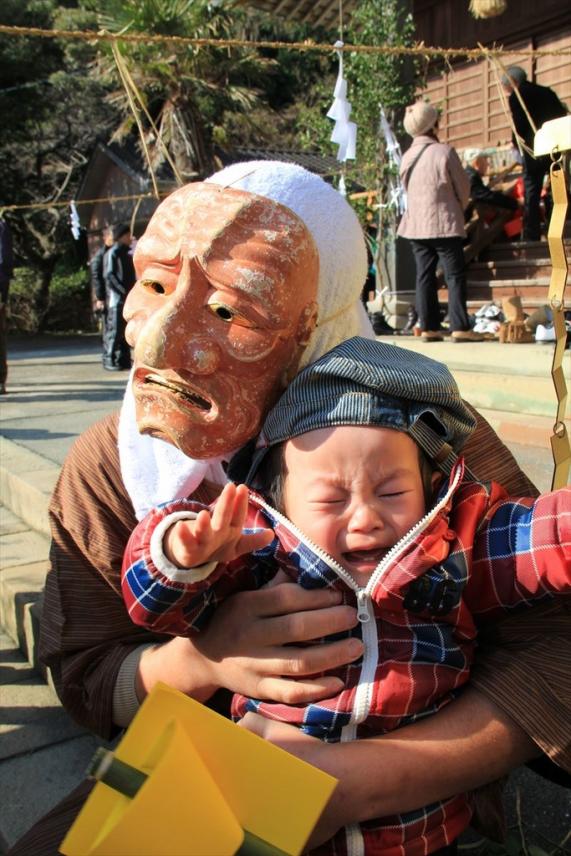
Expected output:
(477, 555)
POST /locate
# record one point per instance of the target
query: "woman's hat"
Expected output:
(420, 118)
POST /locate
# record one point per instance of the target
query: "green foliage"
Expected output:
(68, 306)
(188, 91)
(56, 112)
(378, 79)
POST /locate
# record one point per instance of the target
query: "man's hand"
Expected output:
(255, 645)
(215, 538)
(468, 743)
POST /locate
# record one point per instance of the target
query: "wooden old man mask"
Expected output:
(225, 302)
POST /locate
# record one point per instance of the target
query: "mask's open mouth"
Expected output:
(185, 393)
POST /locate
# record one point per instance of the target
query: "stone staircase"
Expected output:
(512, 268)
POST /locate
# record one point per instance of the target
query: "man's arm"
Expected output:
(491, 460)
(97, 278)
(466, 744)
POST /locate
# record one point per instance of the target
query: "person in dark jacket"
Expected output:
(119, 276)
(6, 271)
(542, 104)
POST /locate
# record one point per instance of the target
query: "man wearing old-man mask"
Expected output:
(241, 281)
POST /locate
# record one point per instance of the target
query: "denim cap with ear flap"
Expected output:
(364, 382)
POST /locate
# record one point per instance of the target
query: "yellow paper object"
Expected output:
(212, 788)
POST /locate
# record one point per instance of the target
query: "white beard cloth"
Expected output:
(153, 470)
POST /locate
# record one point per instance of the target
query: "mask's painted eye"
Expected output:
(152, 285)
(229, 315)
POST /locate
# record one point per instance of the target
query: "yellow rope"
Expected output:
(419, 49)
(560, 444)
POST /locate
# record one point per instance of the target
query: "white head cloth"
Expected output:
(155, 471)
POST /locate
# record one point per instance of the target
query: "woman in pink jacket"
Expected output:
(438, 191)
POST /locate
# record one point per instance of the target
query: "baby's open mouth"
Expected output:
(179, 389)
(367, 557)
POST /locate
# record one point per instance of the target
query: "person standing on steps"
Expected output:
(438, 191)
(119, 275)
(542, 105)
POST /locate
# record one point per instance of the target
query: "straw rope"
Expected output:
(133, 95)
(123, 74)
(47, 205)
(419, 49)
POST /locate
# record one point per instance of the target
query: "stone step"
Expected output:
(43, 754)
(23, 568)
(538, 284)
(522, 250)
(533, 293)
(508, 378)
(510, 269)
(26, 483)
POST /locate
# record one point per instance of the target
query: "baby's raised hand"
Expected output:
(216, 536)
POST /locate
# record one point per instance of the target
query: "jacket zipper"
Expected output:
(365, 614)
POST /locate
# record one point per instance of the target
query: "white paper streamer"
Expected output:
(344, 132)
(74, 221)
(396, 192)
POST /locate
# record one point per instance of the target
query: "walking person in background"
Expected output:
(438, 191)
(542, 104)
(119, 276)
(6, 271)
